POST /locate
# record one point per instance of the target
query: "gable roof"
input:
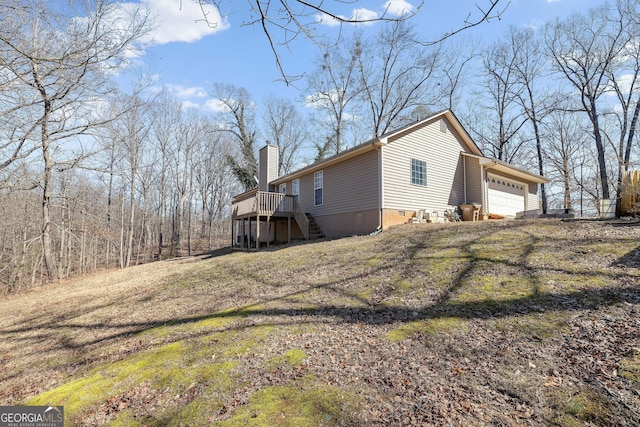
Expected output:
(378, 142)
(375, 143)
(451, 118)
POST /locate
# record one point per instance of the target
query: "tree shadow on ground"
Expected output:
(351, 307)
(630, 260)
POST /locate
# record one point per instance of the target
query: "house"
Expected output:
(429, 166)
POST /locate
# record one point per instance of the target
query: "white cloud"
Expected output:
(188, 104)
(625, 82)
(553, 1)
(321, 100)
(183, 21)
(390, 7)
(535, 24)
(357, 14)
(398, 7)
(215, 105)
(186, 92)
(327, 20)
(363, 14)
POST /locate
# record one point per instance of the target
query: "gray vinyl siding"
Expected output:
(533, 202)
(349, 186)
(474, 180)
(445, 169)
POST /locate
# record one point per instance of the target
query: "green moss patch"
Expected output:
(538, 325)
(587, 406)
(494, 287)
(171, 369)
(296, 405)
(630, 368)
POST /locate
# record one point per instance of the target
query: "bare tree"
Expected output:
(136, 125)
(565, 151)
(456, 59)
(284, 21)
(212, 179)
(238, 119)
(395, 75)
(501, 91)
(624, 79)
(57, 58)
(583, 48)
(530, 68)
(167, 115)
(333, 90)
(286, 128)
(188, 138)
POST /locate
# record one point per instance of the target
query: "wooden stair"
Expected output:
(314, 229)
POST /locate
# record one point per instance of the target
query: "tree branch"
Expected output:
(486, 15)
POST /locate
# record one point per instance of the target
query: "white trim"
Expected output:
(319, 181)
(421, 165)
(295, 189)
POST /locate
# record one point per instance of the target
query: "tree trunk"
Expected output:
(46, 195)
(602, 165)
(131, 225)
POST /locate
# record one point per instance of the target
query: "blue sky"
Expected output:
(187, 56)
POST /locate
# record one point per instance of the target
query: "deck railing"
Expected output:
(272, 203)
(265, 204)
(262, 203)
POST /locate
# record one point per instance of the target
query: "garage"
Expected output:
(505, 196)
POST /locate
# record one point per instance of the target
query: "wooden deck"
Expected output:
(257, 205)
(262, 203)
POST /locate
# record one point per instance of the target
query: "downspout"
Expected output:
(464, 176)
(380, 187)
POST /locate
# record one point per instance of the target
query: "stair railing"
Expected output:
(301, 219)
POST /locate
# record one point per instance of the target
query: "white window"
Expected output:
(295, 188)
(317, 188)
(283, 188)
(418, 172)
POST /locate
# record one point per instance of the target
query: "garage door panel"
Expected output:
(506, 196)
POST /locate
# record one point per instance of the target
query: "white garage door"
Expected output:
(506, 196)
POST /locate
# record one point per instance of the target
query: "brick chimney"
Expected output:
(267, 166)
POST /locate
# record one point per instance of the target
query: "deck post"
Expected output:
(268, 230)
(257, 232)
(242, 237)
(233, 238)
(288, 228)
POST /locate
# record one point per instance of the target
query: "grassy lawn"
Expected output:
(489, 323)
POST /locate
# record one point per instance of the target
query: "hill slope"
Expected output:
(491, 323)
